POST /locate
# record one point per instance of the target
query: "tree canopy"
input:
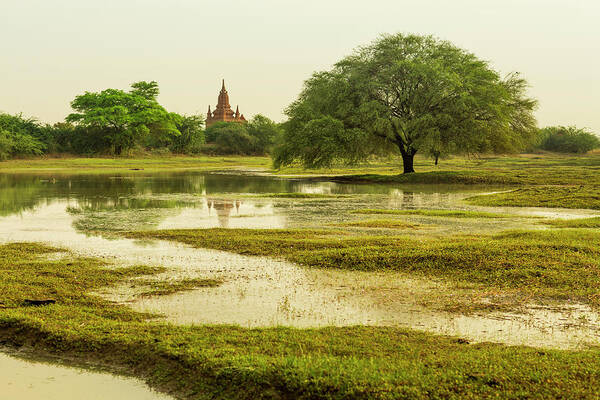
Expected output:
(568, 139)
(123, 118)
(256, 137)
(405, 94)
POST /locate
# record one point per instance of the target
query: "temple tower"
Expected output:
(223, 111)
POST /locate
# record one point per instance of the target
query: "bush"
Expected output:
(568, 139)
(192, 136)
(257, 137)
(6, 146)
(21, 136)
(234, 139)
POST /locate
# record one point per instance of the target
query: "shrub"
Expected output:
(568, 139)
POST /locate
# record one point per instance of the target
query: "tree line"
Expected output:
(401, 95)
(118, 122)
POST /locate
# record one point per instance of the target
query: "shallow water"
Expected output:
(82, 213)
(22, 379)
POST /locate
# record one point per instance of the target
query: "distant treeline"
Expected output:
(117, 122)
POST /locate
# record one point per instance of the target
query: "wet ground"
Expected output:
(23, 379)
(83, 214)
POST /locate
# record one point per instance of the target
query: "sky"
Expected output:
(53, 50)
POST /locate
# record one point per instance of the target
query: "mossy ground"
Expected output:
(380, 223)
(434, 213)
(584, 197)
(226, 362)
(552, 264)
(592, 223)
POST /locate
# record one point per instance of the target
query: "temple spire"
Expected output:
(223, 111)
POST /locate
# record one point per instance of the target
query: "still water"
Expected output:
(22, 379)
(84, 213)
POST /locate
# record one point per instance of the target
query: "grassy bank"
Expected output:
(547, 169)
(554, 264)
(587, 197)
(226, 362)
(74, 165)
(434, 213)
(591, 223)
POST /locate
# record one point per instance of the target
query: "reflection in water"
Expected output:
(223, 209)
(80, 212)
(27, 380)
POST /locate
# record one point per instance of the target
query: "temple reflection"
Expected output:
(223, 209)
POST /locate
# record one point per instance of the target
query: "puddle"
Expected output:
(29, 380)
(79, 213)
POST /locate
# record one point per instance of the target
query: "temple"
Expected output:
(223, 111)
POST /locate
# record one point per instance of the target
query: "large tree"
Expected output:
(405, 94)
(123, 118)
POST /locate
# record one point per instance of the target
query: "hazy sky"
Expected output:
(52, 50)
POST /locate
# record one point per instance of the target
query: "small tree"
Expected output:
(123, 118)
(233, 138)
(192, 135)
(21, 136)
(398, 93)
(265, 131)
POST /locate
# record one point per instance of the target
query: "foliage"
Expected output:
(192, 135)
(6, 145)
(233, 138)
(123, 119)
(266, 133)
(406, 93)
(20, 136)
(256, 137)
(568, 139)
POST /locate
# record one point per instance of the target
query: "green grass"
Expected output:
(227, 362)
(593, 222)
(546, 169)
(434, 213)
(554, 264)
(543, 196)
(101, 165)
(300, 195)
(380, 223)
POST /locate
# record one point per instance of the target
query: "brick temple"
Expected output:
(223, 111)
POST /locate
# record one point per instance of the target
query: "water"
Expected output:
(84, 213)
(22, 379)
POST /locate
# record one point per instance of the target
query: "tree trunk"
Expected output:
(408, 162)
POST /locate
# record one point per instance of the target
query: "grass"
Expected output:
(555, 264)
(434, 213)
(228, 362)
(544, 196)
(593, 222)
(101, 165)
(162, 288)
(301, 195)
(527, 169)
(380, 223)
(539, 169)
